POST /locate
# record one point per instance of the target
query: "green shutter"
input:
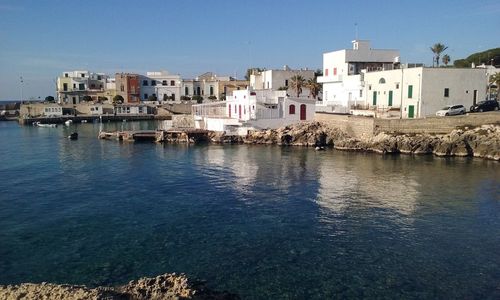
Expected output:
(374, 98)
(410, 91)
(390, 98)
(411, 111)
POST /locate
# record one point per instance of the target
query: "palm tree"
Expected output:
(296, 83)
(437, 49)
(314, 87)
(446, 59)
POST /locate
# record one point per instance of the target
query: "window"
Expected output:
(334, 71)
(173, 97)
(381, 81)
(326, 72)
(360, 93)
(81, 86)
(286, 83)
(145, 96)
(122, 88)
(92, 86)
(172, 82)
(186, 91)
(211, 90)
(291, 110)
(74, 85)
(447, 92)
(65, 86)
(369, 87)
(397, 86)
(410, 91)
(99, 77)
(83, 75)
(65, 74)
(164, 82)
(144, 82)
(153, 82)
(268, 84)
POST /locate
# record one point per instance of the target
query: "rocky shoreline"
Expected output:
(167, 286)
(482, 142)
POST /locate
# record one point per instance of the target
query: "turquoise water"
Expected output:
(262, 221)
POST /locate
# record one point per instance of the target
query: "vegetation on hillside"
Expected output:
(488, 57)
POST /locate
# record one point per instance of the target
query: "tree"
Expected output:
(212, 97)
(437, 49)
(494, 83)
(296, 83)
(318, 73)
(152, 98)
(446, 59)
(50, 99)
(314, 87)
(198, 98)
(87, 98)
(118, 99)
(250, 71)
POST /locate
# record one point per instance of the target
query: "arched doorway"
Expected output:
(303, 112)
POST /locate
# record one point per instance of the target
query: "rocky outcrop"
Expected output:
(167, 286)
(481, 142)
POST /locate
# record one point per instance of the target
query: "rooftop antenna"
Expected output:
(356, 30)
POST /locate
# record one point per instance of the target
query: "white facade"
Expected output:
(131, 109)
(420, 91)
(253, 109)
(279, 79)
(342, 77)
(163, 85)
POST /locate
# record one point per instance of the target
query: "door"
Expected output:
(239, 111)
(303, 112)
(390, 98)
(374, 98)
(411, 111)
(474, 99)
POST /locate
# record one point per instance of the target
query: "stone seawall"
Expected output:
(358, 126)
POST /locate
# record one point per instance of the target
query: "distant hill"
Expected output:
(479, 58)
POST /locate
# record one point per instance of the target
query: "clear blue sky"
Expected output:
(41, 39)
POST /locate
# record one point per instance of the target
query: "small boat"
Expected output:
(38, 124)
(84, 121)
(73, 136)
(68, 122)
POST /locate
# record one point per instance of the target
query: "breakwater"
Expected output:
(482, 141)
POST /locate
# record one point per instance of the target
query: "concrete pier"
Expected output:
(187, 135)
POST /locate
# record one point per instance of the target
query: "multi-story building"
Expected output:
(419, 92)
(163, 85)
(73, 86)
(279, 80)
(342, 79)
(129, 87)
(209, 85)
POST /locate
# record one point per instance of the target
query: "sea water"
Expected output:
(265, 222)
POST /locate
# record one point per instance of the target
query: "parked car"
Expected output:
(450, 110)
(485, 106)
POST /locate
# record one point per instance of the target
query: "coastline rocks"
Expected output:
(167, 286)
(483, 142)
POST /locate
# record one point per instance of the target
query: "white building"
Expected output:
(253, 109)
(163, 85)
(420, 91)
(72, 86)
(52, 111)
(279, 80)
(342, 77)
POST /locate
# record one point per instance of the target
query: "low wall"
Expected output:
(358, 126)
(435, 125)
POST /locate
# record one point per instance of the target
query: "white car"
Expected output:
(450, 110)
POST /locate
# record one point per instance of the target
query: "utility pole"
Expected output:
(22, 81)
